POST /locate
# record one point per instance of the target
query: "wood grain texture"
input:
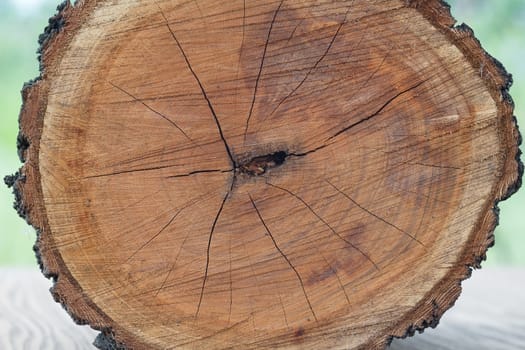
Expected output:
(489, 315)
(282, 174)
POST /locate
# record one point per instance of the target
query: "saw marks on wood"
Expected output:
(253, 174)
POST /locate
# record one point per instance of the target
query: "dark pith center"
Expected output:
(259, 165)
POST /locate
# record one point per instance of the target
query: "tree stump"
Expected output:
(263, 174)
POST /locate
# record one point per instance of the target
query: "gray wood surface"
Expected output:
(490, 314)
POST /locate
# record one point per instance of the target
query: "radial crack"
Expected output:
(326, 223)
(212, 230)
(203, 91)
(196, 172)
(261, 69)
(156, 235)
(186, 206)
(376, 113)
(231, 281)
(284, 256)
(284, 311)
(375, 215)
(172, 267)
(199, 9)
(313, 68)
(294, 30)
(334, 271)
(151, 109)
(437, 166)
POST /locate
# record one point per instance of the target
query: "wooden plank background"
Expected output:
(490, 314)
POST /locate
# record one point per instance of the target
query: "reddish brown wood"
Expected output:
(263, 174)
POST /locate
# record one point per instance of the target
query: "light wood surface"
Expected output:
(287, 174)
(489, 315)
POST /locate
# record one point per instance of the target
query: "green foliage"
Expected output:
(498, 24)
(18, 63)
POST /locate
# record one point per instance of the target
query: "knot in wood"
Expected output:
(155, 177)
(258, 166)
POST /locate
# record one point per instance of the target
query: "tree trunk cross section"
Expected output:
(263, 174)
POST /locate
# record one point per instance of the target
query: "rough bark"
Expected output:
(285, 174)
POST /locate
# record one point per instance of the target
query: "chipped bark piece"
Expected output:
(249, 174)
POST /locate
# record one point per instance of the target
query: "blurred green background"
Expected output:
(500, 25)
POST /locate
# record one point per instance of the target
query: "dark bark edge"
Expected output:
(28, 142)
(499, 81)
(430, 310)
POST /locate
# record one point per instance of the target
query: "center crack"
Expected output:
(257, 166)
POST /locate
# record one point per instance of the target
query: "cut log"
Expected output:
(263, 174)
